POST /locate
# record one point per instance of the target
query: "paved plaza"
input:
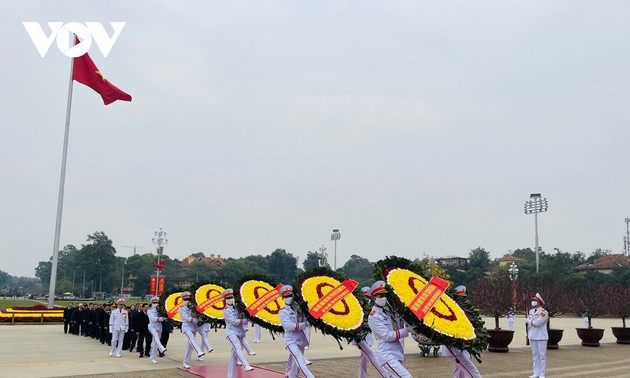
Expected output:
(44, 351)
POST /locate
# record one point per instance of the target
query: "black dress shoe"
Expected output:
(140, 356)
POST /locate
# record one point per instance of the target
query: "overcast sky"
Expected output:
(413, 127)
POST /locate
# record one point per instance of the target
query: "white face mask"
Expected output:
(229, 301)
(380, 301)
(186, 302)
(288, 300)
(154, 305)
(534, 303)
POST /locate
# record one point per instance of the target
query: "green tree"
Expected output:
(527, 254)
(478, 263)
(200, 271)
(42, 271)
(233, 269)
(139, 268)
(97, 259)
(311, 261)
(284, 266)
(359, 269)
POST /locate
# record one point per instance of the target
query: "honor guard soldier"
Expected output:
(155, 328)
(189, 328)
(234, 333)
(118, 325)
(388, 330)
(537, 332)
(367, 353)
(463, 366)
(294, 338)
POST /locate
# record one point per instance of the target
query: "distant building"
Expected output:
(460, 263)
(508, 260)
(605, 264)
(215, 262)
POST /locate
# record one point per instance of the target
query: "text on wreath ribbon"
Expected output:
(426, 298)
(264, 300)
(328, 300)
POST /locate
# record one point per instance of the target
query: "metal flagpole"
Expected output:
(62, 181)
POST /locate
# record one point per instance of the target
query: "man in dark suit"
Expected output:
(142, 330)
(67, 317)
(133, 337)
(77, 320)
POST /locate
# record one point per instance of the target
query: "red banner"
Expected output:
(264, 300)
(328, 300)
(161, 283)
(427, 297)
(152, 283)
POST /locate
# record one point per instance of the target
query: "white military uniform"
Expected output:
(234, 334)
(118, 326)
(537, 319)
(205, 343)
(189, 328)
(368, 356)
(386, 327)
(246, 345)
(294, 341)
(155, 328)
(258, 330)
(464, 366)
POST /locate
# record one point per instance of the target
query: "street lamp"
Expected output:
(122, 281)
(160, 240)
(323, 256)
(513, 270)
(534, 206)
(336, 235)
(627, 243)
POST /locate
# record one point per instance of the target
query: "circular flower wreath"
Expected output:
(454, 332)
(249, 288)
(347, 319)
(214, 314)
(167, 301)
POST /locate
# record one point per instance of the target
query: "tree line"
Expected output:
(95, 267)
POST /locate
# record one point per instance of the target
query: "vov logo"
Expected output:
(87, 32)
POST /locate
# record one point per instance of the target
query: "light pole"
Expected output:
(323, 256)
(627, 220)
(160, 240)
(122, 281)
(513, 270)
(336, 235)
(536, 205)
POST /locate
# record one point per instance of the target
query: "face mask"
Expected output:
(229, 301)
(288, 300)
(186, 303)
(154, 305)
(381, 302)
(534, 303)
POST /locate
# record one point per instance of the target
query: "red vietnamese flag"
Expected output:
(86, 72)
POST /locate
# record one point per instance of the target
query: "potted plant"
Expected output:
(589, 301)
(493, 296)
(618, 301)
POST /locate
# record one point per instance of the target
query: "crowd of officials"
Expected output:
(93, 319)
